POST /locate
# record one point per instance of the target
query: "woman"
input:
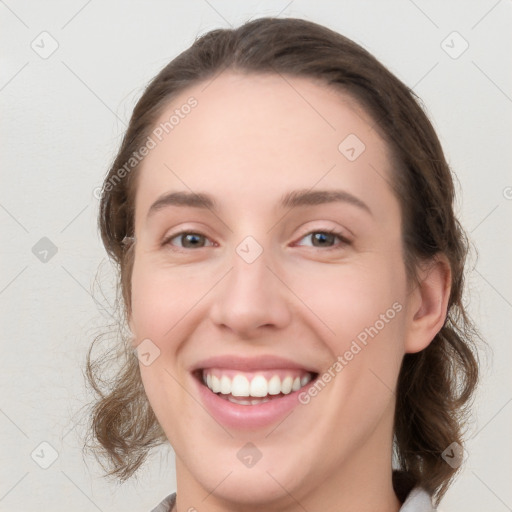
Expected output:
(291, 269)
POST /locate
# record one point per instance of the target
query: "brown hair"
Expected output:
(435, 386)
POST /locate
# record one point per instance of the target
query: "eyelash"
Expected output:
(339, 235)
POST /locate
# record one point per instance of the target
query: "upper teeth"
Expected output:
(259, 386)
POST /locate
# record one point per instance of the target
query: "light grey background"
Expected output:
(62, 120)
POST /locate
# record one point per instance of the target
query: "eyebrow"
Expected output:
(293, 199)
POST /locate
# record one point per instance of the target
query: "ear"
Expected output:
(428, 303)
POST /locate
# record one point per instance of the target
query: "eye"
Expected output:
(326, 237)
(188, 239)
(193, 240)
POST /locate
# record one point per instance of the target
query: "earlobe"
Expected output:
(429, 304)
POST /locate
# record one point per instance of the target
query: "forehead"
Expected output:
(252, 134)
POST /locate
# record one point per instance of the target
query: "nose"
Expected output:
(252, 296)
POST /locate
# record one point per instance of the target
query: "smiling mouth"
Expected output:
(253, 388)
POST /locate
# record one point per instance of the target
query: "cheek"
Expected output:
(361, 310)
(349, 299)
(157, 301)
(367, 314)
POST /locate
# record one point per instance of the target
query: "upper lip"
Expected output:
(236, 362)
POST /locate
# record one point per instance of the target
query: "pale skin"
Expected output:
(249, 141)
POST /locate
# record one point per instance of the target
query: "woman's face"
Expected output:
(259, 298)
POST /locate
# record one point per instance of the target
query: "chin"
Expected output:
(268, 481)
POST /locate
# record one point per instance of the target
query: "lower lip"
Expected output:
(248, 416)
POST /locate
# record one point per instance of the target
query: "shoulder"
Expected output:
(418, 500)
(166, 505)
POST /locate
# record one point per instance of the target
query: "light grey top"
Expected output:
(418, 500)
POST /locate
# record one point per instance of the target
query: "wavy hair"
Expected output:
(436, 385)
